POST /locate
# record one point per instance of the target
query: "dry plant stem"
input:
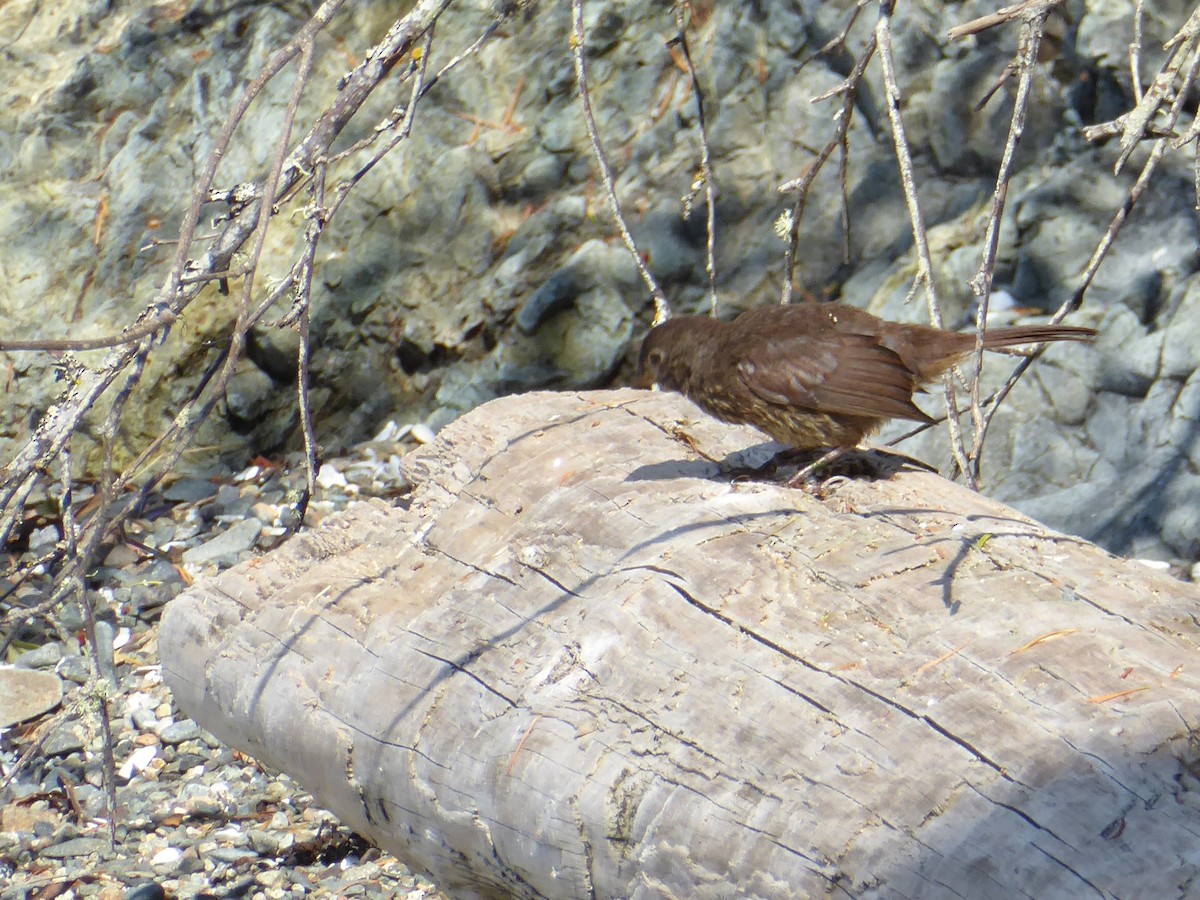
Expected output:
(317, 219)
(1030, 9)
(419, 90)
(981, 284)
(249, 217)
(838, 41)
(661, 307)
(1135, 193)
(802, 185)
(1135, 125)
(81, 557)
(1135, 53)
(706, 171)
(398, 116)
(391, 47)
(130, 335)
(97, 684)
(79, 547)
(883, 38)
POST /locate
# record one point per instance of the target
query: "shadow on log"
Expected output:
(585, 663)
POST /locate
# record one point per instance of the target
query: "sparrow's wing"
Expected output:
(851, 374)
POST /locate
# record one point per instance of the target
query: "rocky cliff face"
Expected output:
(479, 258)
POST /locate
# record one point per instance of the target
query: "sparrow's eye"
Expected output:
(655, 358)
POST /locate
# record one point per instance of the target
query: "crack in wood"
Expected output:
(1073, 871)
(966, 745)
(460, 665)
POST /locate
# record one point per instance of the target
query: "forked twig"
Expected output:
(848, 89)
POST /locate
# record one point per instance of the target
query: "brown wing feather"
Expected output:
(851, 374)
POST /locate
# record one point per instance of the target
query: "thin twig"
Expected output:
(317, 218)
(706, 171)
(981, 284)
(838, 41)
(1134, 194)
(1135, 53)
(1030, 9)
(883, 38)
(848, 89)
(402, 132)
(661, 307)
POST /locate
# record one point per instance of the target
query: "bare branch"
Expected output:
(661, 307)
(848, 89)
(924, 277)
(1028, 10)
(706, 173)
(1135, 53)
(981, 284)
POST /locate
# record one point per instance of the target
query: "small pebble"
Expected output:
(148, 891)
(43, 657)
(79, 846)
(178, 732)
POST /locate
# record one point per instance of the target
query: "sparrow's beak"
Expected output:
(644, 381)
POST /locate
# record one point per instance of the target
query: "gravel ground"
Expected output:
(194, 818)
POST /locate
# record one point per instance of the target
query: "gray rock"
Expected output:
(556, 294)
(119, 556)
(1129, 358)
(75, 668)
(80, 846)
(189, 490)
(72, 616)
(105, 635)
(43, 657)
(155, 585)
(148, 891)
(227, 547)
(1103, 28)
(232, 855)
(248, 396)
(25, 694)
(266, 843)
(144, 718)
(1185, 427)
(1181, 337)
(178, 732)
(1180, 526)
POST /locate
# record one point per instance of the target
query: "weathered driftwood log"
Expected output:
(584, 663)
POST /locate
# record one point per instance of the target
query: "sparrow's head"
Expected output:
(668, 350)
